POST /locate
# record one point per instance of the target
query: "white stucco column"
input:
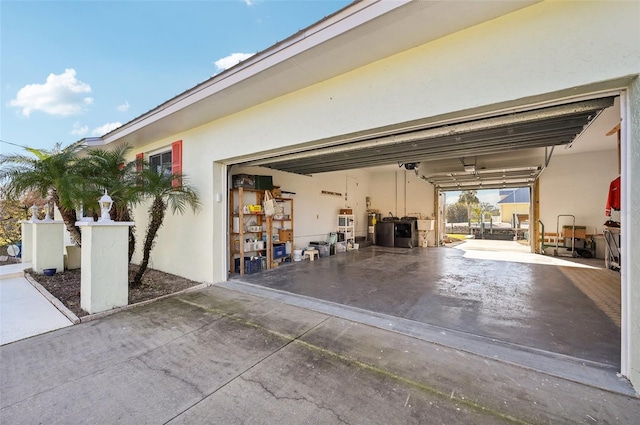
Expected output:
(104, 276)
(631, 239)
(47, 247)
(26, 253)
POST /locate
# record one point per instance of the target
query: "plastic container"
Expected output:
(250, 265)
(49, 272)
(321, 247)
(297, 255)
(279, 251)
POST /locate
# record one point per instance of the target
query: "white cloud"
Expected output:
(79, 130)
(62, 94)
(231, 60)
(102, 130)
(124, 107)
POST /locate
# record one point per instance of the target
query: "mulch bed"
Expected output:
(65, 286)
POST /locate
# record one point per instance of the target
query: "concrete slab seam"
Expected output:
(366, 366)
(235, 318)
(382, 372)
(311, 303)
(90, 317)
(287, 341)
(394, 323)
(53, 300)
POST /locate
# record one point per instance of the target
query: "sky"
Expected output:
(75, 69)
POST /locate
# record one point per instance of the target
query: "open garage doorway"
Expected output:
(524, 300)
(492, 214)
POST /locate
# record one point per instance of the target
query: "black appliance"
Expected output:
(406, 233)
(397, 232)
(385, 231)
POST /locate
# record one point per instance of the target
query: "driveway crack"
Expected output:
(303, 399)
(239, 375)
(170, 374)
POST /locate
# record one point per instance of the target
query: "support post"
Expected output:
(104, 279)
(26, 252)
(47, 245)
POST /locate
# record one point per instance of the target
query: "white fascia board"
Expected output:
(342, 21)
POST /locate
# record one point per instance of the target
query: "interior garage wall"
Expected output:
(401, 193)
(315, 213)
(577, 185)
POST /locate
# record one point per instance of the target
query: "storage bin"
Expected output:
(263, 182)
(279, 251)
(250, 266)
(322, 247)
(245, 181)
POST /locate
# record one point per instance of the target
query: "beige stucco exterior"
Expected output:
(105, 265)
(47, 245)
(507, 210)
(548, 52)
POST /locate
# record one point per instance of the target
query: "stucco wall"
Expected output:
(631, 246)
(184, 243)
(545, 48)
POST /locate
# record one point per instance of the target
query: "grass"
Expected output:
(459, 236)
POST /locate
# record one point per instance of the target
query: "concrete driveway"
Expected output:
(222, 356)
(24, 311)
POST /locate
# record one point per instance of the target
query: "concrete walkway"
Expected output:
(24, 311)
(221, 356)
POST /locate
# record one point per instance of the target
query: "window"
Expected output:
(161, 163)
(169, 162)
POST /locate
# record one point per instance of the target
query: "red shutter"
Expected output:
(176, 161)
(139, 162)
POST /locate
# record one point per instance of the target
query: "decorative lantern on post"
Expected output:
(105, 206)
(34, 212)
(48, 212)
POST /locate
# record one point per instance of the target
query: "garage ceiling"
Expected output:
(540, 128)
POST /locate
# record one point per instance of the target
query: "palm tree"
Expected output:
(469, 197)
(109, 169)
(50, 173)
(166, 190)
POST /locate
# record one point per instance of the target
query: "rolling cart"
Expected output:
(572, 248)
(612, 257)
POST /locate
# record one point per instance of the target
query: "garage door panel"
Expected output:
(545, 127)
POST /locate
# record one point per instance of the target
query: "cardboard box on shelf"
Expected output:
(347, 211)
(285, 235)
(580, 232)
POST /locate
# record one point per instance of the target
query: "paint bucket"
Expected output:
(297, 255)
